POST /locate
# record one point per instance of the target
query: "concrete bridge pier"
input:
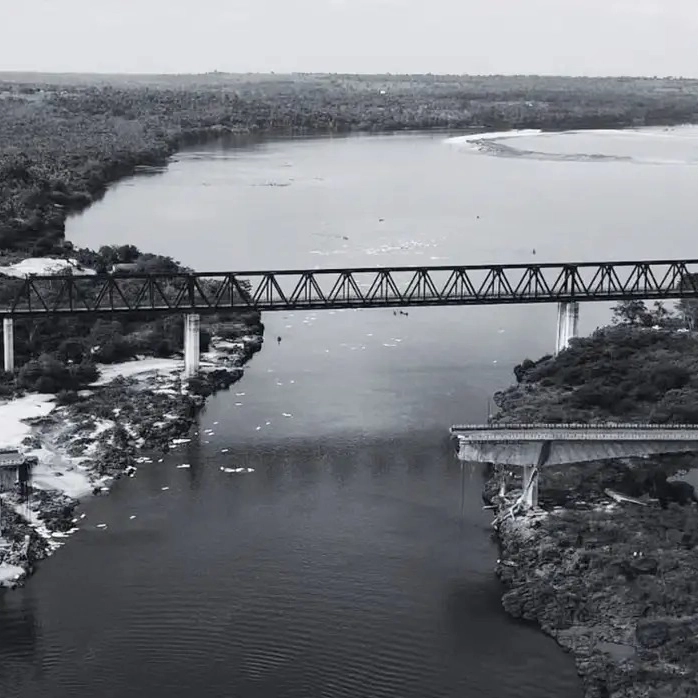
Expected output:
(192, 327)
(8, 344)
(530, 486)
(567, 325)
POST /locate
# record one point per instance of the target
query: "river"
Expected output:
(356, 559)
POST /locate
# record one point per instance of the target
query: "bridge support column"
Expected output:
(192, 327)
(8, 344)
(567, 325)
(530, 486)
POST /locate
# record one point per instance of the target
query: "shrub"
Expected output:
(67, 397)
(48, 375)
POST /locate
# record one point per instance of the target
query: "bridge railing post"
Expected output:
(192, 328)
(8, 344)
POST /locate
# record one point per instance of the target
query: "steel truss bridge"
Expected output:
(366, 287)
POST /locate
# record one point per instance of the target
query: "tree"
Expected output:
(632, 312)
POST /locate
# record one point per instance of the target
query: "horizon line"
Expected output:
(350, 74)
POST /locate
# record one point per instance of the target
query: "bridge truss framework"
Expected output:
(364, 287)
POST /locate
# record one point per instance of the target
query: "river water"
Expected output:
(356, 559)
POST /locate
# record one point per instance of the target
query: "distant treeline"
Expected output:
(64, 138)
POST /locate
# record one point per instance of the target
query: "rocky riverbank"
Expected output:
(613, 582)
(136, 408)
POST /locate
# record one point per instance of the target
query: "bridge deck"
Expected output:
(362, 287)
(518, 433)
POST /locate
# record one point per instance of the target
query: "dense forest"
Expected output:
(65, 138)
(642, 368)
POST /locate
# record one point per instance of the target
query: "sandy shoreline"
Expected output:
(83, 447)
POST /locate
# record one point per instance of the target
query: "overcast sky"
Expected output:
(570, 37)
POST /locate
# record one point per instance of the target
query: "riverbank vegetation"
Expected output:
(642, 368)
(614, 583)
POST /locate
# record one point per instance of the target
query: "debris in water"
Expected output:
(132, 517)
(225, 450)
(184, 465)
(164, 489)
(258, 428)
(286, 414)
(180, 441)
(101, 525)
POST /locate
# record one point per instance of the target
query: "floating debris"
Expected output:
(182, 441)
(132, 517)
(286, 414)
(225, 450)
(184, 465)
(164, 489)
(101, 525)
(257, 428)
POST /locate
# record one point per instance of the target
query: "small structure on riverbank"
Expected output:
(15, 469)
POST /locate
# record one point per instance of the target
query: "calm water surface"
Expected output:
(356, 559)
